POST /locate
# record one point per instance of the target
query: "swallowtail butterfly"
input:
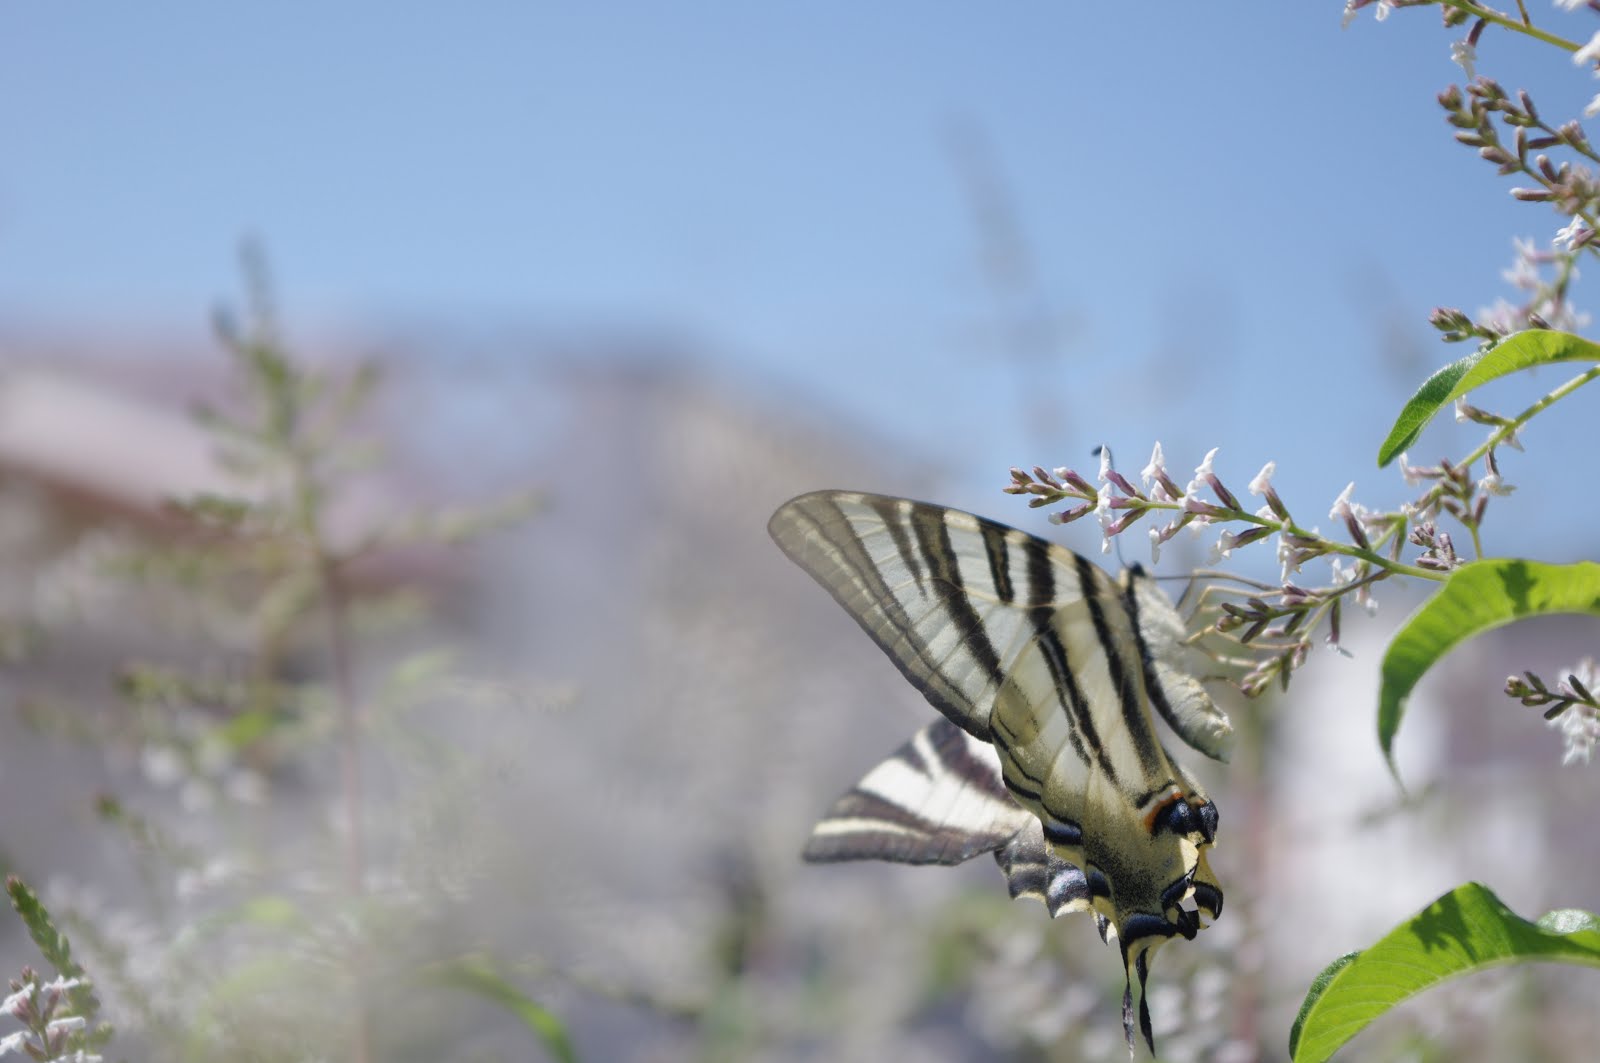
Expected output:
(1046, 671)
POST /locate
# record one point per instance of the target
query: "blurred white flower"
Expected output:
(1589, 52)
(1157, 464)
(161, 765)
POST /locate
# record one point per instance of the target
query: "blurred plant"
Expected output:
(1571, 706)
(1261, 632)
(59, 1017)
(256, 951)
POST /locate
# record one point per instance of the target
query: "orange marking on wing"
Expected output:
(1150, 819)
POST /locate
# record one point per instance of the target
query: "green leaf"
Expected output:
(477, 975)
(1477, 597)
(52, 943)
(1520, 351)
(246, 728)
(1466, 930)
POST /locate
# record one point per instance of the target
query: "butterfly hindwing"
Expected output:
(937, 800)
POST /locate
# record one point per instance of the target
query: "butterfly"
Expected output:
(1048, 674)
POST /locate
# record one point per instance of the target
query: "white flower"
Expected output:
(1286, 558)
(1589, 52)
(1158, 465)
(1466, 56)
(1493, 485)
(1580, 729)
(61, 985)
(1155, 545)
(1342, 573)
(1353, 6)
(1563, 316)
(1502, 316)
(1523, 275)
(67, 1024)
(1592, 108)
(1224, 547)
(1263, 479)
(14, 1001)
(1461, 412)
(1580, 724)
(1105, 464)
(1341, 505)
(1569, 233)
(13, 1042)
(1570, 5)
(1409, 472)
(1201, 473)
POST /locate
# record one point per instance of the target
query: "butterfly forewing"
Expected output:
(938, 590)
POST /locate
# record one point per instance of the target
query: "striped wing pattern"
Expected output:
(940, 800)
(1047, 672)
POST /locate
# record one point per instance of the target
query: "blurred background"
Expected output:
(665, 268)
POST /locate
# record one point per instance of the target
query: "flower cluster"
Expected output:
(1119, 504)
(51, 1031)
(1277, 621)
(1572, 188)
(1571, 706)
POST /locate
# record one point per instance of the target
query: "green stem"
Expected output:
(1507, 430)
(1479, 11)
(1372, 557)
(1327, 545)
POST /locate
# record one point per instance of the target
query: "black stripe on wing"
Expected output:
(1084, 735)
(938, 800)
(1034, 870)
(832, 545)
(1135, 718)
(933, 538)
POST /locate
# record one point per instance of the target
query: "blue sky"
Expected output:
(1239, 217)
